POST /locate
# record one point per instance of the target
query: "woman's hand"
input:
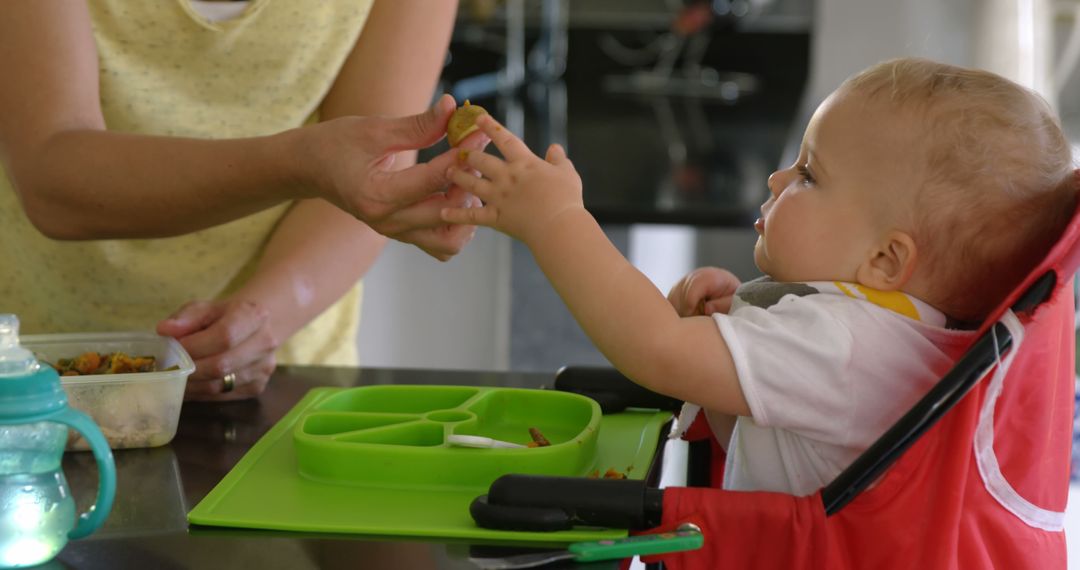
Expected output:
(352, 162)
(223, 338)
(704, 291)
(523, 195)
(442, 241)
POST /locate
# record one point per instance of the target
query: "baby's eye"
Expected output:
(804, 174)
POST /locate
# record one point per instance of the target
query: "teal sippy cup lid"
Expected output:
(27, 389)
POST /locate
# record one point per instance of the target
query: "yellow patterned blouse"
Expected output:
(165, 70)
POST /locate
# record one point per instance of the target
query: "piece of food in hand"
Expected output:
(463, 122)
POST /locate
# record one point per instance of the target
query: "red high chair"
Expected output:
(981, 486)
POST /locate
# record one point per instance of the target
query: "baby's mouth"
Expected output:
(759, 224)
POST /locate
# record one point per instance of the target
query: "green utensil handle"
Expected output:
(642, 544)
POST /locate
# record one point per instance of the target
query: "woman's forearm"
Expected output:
(317, 253)
(77, 180)
(96, 184)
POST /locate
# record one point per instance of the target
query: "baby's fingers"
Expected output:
(470, 183)
(712, 306)
(556, 155)
(679, 297)
(511, 147)
(486, 216)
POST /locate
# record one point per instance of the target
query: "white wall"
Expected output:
(421, 313)
(849, 35)
(1014, 38)
(1009, 37)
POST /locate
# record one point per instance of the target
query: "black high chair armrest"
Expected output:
(547, 503)
(613, 391)
(550, 503)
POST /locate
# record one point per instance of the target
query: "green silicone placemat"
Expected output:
(265, 491)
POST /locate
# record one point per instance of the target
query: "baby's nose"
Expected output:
(776, 183)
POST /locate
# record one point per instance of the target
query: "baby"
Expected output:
(922, 194)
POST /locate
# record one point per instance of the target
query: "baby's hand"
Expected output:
(523, 195)
(704, 291)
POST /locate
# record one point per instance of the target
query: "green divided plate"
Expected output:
(396, 435)
(374, 460)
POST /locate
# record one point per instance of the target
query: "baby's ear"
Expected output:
(889, 266)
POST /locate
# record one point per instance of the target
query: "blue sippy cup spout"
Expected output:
(15, 360)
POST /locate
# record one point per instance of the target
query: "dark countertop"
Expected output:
(156, 487)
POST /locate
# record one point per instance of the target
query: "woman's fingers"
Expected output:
(442, 243)
(488, 166)
(486, 216)
(247, 382)
(423, 214)
(426, 213)
(442, 240)
(241, 319)
(458, 197)
(416, 131)
(234, 372)
(237, 357)
(192, 317)
(398, 188)
(471, 183)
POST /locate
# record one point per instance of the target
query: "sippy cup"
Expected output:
(37, 512)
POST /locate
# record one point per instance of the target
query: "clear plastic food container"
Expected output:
(138, 409)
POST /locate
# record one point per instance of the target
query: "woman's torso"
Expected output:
(166, 70)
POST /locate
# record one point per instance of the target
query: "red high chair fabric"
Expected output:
(985, 487)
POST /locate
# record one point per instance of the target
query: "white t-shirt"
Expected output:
(824, 376)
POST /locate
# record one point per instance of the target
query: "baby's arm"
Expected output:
(705, 291)
(539, 202)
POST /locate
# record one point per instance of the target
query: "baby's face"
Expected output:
(829, 210)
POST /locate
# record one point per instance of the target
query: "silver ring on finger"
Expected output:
(228, 383)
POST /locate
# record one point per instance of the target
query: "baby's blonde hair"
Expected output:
(997, 185)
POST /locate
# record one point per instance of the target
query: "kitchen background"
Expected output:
(674, 138)
(675, 113)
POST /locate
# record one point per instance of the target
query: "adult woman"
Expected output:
(223, 172)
